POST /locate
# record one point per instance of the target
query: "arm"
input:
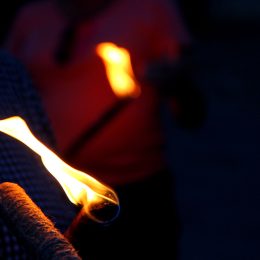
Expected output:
(170, 70)
(174, 81)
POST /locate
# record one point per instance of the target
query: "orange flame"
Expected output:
(119, 70)
(80, 188)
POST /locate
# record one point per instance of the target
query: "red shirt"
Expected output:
(77, 94)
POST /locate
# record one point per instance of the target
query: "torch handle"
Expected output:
(89, 133)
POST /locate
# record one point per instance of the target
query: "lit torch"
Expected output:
(81, 189)
(121, 78)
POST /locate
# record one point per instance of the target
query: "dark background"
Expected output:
(216, 167)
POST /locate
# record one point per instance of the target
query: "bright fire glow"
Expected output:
(80, 188)
(119, 70)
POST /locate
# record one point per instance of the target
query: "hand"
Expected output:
(174, 81)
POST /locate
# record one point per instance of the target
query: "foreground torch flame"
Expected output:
(119, 70)
(80, 188)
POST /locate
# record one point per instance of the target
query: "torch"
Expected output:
(121, 77)
(99, 202)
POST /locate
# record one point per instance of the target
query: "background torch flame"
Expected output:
(119, 70)
(80, 188)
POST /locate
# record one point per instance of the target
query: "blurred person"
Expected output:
(56, 40)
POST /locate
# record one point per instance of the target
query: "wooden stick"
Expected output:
(102, 213)
(31, 226)
(86, 136)
(74, 232)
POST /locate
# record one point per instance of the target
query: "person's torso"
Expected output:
(78, 93)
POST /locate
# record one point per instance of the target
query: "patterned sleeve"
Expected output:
(17, 163)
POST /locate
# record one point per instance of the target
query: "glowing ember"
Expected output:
(119, 70)
(80, 188)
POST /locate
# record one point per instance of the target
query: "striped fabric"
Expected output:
(19, 164)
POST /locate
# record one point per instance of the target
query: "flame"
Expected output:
(119, 70)
(80, 188)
